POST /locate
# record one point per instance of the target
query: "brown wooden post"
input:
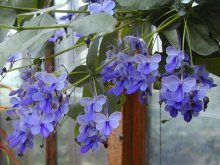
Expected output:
(133, 131)
(51, 141)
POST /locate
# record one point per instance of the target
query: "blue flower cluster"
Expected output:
(105, 6)
(184, 91)
(131, 74)
(95, 125)
(37, 106)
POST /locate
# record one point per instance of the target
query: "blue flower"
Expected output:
(41, 124)
(68, 16)
(130, 73)
(21, 140)
(174, 58)
(13, 57)
(92, 105)
(106, 6)
(92, 1)
(38, 105)
(192, 109)
(178, 87)
(87, 129)
(172, 110)
(137, 44)
(57, 35)
(105, 124)
(202, 76)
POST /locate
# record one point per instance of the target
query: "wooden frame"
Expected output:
(128, 144)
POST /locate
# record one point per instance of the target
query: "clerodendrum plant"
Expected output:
(120, 62)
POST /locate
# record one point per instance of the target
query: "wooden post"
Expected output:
(51, 141)
(133, 129)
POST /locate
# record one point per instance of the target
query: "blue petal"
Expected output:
(188, 84)
(171, 82)
(178, 95)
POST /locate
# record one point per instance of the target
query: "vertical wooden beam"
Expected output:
(115, 146)
(51, 141)
(134, 140)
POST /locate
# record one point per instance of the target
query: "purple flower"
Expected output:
(89, 136)
(87, 129)
(69, 16)
(178, 87)
(92, 1)
(192, 109)
(13, 57)
(105, 124)
(21, 140)
(172, 110)
(106, 6)
(92, 105)
(38, 105)
(174, 58)
(79, 35)
(57, 35)
(136, 44)
(130, 73)
(89, 144)
(202, 76)
(41, 124)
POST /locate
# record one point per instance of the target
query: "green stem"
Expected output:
(19, 67)
(163, 23)
(34, 27)
(68, 11)
(75, 46)
(81, 72)
(184, 35)
(77, 83)
(35, 9)
(93, 80)
(189, 42)
(102, 66)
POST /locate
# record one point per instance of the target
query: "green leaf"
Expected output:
(87, 92)
(78, 73)
(28, 38)
(172, 37)
(96, 85)
(200, 40)
(144, 4)
(91, 58)
(41, 49)
(7, 17)
(23, 3)
(20, 17)
(106, 44)
(95, 23)
(211, 63)
(75, 110)
(115, 102)
(210, 9)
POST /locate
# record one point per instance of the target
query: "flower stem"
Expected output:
(68, 11)
(184, 35)
(189, 42)
(34, 27)
(102, 66)
(75, 46)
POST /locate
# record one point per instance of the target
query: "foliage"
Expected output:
(120, 61)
